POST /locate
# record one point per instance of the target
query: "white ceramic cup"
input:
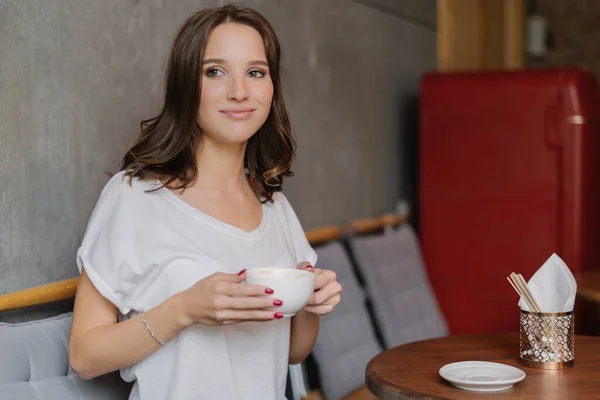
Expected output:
(292, 286)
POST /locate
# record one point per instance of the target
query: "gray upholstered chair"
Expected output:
(34, 365)
(396, 282)
(346, 340)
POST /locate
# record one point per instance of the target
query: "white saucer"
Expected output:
(481, 376)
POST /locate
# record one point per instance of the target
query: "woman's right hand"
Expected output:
(222, 299)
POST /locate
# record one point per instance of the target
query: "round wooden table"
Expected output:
(411, 371)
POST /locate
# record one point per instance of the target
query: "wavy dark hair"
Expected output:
(166, 147)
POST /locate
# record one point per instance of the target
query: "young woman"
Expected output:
(198, 201)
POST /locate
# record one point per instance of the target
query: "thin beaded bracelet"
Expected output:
(150, 330)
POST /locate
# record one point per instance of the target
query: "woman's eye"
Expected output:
(255, 73)
(213, 72)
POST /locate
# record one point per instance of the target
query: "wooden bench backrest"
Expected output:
(64, 290)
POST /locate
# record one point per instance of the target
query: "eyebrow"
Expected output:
(221, 61)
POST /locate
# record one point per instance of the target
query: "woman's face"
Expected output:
(237, 90)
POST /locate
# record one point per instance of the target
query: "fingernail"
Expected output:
(277, 302)
(278, 315)
(309, 266)
(269, 291)
(241, 272)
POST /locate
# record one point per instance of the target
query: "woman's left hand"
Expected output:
(327, 292)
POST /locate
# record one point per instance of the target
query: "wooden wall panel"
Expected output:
(480, 34)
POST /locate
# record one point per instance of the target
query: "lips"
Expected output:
(238, 113)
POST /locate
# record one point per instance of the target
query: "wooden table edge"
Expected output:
(381, 388)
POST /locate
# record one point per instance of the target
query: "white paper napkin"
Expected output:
(553, 287)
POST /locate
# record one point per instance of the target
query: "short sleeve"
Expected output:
(110, 248)
(297, 237)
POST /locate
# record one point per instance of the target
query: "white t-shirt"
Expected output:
(141, 248)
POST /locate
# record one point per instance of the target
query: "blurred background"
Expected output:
(478, 120)
(77, 77)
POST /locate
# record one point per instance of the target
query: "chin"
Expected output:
(236, 135)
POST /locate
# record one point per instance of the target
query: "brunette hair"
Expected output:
(165, 149)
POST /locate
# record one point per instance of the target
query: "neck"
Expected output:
(221, 165)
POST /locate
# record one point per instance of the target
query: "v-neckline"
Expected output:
(213, 221)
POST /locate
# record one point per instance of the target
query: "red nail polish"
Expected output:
(241, 272)
(277, 302)
(309, 266)
(269, 291)
(278, 315)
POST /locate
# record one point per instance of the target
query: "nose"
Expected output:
(237, 90)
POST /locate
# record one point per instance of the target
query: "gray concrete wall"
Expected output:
(77, 76)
